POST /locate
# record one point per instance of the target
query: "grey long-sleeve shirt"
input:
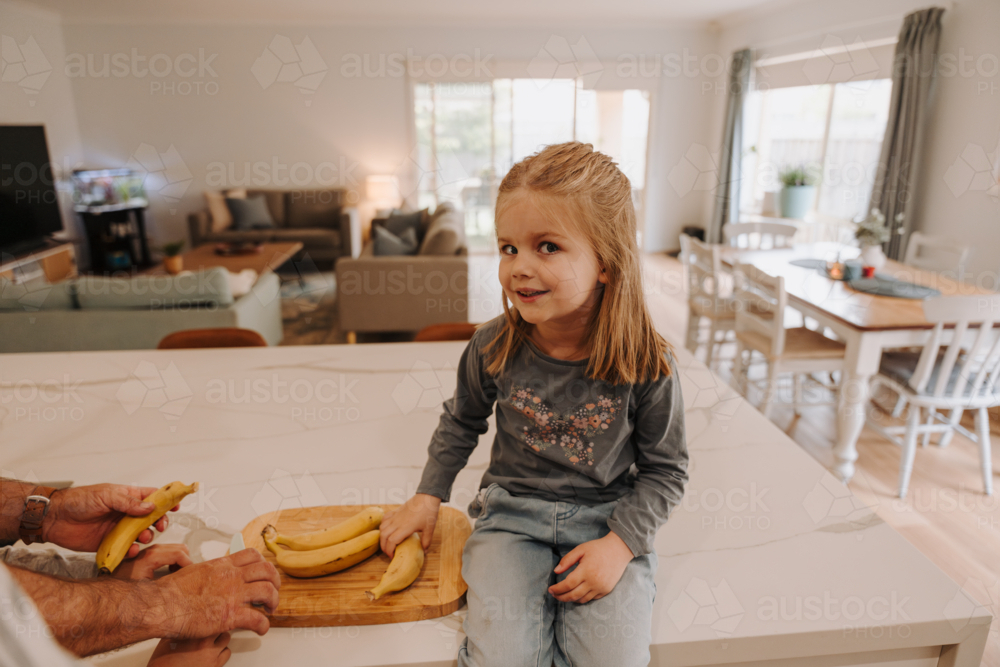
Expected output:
(562, 436)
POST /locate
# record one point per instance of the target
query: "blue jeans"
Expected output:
(513, 621)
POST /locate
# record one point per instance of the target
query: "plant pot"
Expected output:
(872, 255)
(796, 200)
(173, 265)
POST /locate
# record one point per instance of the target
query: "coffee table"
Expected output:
(271, 256)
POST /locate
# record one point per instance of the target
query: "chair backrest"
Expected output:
(217, 337)
(702, 271)
(760, 306)
(446, 331)
(935, 253)
(759, 235)
(978, 362)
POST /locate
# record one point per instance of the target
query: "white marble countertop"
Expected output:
(768, 557)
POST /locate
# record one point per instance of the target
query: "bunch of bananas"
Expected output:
(339, 547)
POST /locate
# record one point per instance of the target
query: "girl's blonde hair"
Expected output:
(577, 183)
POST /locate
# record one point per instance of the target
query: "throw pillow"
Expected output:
(221, 218)
(397, 223)
(250, 213)
(445, 236)
(387, 243)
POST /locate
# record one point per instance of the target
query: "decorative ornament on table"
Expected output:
(871, 234)
(173, 262)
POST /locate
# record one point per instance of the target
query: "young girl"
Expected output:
(589, 457)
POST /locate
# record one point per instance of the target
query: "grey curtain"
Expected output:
(727, 197)
(913, 73)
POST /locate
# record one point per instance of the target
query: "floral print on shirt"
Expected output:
(572, 433)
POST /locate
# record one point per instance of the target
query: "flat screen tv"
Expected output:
(29, 206)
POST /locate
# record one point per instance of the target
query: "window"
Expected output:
(470, 134)
(835, 129)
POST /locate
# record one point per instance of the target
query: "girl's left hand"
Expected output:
(601, 564)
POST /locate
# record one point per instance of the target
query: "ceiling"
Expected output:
(399, 12)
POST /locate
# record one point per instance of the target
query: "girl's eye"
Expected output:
(548, 247)
(508, 249)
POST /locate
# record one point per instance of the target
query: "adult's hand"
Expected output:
(208, 652)
(216, 596)
(153, 558)
(79, 517)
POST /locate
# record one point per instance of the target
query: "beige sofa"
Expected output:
(408, 292)
(320, 219)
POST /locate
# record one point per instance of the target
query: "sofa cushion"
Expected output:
(219, 215)
(275, 203)
(446, 234)
(397, 223)
(310, 238)
(187, 289)
(250, 213)
(313, 209)
(386, 243)
(36, 295)
(239, 236)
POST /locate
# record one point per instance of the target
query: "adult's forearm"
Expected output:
(12, 496)
(97, 615)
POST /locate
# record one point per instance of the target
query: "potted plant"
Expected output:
(172, 260)
(871, 234)
(798, 189)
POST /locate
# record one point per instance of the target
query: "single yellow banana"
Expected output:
(116, 543)
(403, 570)
(367, 519)
(318, 562)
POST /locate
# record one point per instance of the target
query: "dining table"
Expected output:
(767, 560)
(866, 323)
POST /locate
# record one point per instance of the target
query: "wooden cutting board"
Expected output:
(339, 598)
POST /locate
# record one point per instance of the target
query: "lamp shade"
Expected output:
(381, 188)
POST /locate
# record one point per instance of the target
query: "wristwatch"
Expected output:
(35, 508)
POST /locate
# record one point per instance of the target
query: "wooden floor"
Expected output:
(945, 515)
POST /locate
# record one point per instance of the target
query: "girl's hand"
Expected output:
(418, 514)
(152, 558)
(209, 652)
(601, 564)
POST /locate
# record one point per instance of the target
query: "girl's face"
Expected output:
(548, 271)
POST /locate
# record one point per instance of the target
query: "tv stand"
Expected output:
(55, 262)
(117, 238)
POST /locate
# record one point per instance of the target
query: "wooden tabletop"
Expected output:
(858, 309)
(271, 256)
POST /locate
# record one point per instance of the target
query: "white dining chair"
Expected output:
(759, 235)
(936, 253)
(932, 253)
(958, 377)
(705, 281)
(760, 315)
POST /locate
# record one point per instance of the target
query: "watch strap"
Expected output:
(35, 508)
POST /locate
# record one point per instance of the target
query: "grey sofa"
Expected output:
(97, 313)
(320, 219)
(408, 292)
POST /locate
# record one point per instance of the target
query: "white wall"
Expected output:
(51, 104)
(355, 125)
(965, 108)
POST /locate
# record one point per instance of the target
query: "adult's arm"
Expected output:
(103, 614)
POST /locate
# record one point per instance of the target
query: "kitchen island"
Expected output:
(768, 561)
